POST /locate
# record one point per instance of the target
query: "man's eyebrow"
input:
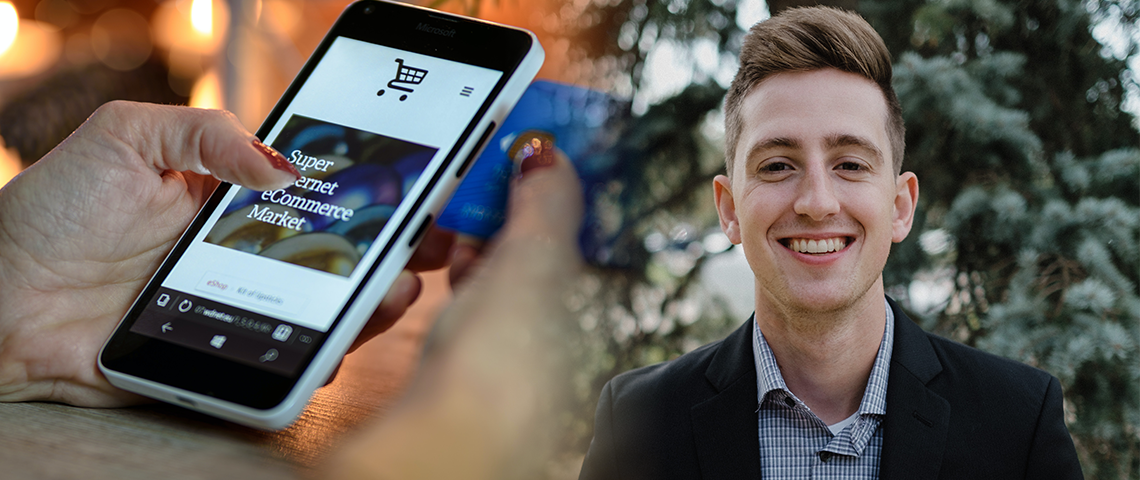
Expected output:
(844, 140)
(770, 143)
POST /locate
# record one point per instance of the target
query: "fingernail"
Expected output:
(276, 159)
(535, 162)
(531, 150)
(538, 160)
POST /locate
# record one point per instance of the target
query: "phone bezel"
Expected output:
(475, 42)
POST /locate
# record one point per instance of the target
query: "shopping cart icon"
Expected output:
(405, 76)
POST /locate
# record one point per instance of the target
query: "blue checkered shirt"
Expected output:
(796, 444)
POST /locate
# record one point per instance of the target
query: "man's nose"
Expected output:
(815, 196)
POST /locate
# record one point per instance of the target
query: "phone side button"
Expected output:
(475, 152)
(420, 231)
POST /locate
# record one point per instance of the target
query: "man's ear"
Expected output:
(906, 201)
(726, 208)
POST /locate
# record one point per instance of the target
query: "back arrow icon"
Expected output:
(166, 327)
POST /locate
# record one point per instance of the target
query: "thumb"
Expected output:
(545, 202)
(207, 142)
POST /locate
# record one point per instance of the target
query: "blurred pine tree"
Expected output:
(1031, 171)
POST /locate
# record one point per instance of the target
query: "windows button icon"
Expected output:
(282, 332)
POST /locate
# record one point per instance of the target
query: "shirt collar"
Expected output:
(769, 378)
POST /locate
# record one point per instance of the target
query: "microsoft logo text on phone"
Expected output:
(445, 32)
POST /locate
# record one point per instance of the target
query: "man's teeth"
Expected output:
(827, 245)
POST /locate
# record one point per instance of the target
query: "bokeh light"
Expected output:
(207, 92)
(27, 47)
(9, 25)
(196, 26)
(120, 40)
(202, 16)
(10, 165)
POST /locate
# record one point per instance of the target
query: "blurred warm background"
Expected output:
(61, 59)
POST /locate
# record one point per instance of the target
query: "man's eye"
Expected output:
(850, 166)
(775, 167)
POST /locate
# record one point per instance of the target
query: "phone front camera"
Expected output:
(369, 9)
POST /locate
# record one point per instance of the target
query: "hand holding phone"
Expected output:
(86, 226)
(62, 298)
(266, 290)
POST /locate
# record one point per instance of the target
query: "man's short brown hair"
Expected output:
(806, 39)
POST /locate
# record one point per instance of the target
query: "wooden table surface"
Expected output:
(52, 441)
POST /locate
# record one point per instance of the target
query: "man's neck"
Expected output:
(826, 358)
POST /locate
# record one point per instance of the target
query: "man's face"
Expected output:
(813, 198)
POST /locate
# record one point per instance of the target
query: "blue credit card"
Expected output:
(585, 124)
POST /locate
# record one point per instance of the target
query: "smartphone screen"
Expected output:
(255, 286)
(266, 276)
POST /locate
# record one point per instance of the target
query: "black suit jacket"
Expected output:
(953, 412)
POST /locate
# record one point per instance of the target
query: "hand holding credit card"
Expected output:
(585, 124)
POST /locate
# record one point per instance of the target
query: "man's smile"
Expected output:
(813, 246)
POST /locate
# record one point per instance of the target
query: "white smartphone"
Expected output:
(261, 297)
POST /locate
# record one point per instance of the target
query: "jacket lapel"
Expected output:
(914, 431)
(725, 426)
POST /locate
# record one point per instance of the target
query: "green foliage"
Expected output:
(645, 305)
(1027, 163)
(626, 30)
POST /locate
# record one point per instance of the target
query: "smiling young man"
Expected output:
(829, 379)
